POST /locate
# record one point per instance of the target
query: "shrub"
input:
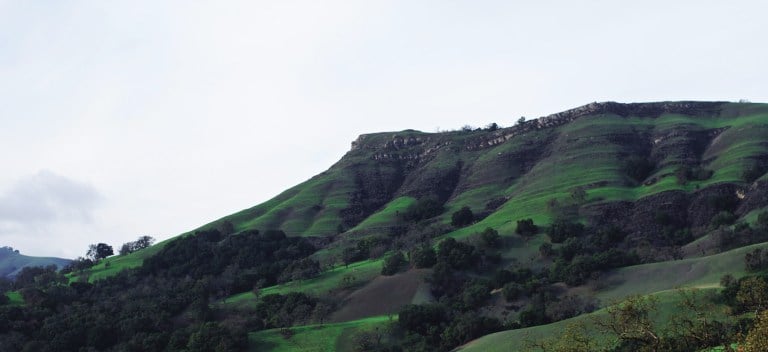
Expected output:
(723, 218)
(490, 237)
(422, 209)
(563, 229)
(462, 217)
(393, 264)
(526, 227)
(423, 257)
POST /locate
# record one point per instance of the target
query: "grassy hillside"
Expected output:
(674, 178)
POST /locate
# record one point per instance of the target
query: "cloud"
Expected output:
(37, 202)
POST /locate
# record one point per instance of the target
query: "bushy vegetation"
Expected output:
(462, 217)
(165, 304)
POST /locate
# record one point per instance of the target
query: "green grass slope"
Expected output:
(316, 338)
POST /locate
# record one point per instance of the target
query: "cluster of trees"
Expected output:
(455, 284)
(133, 246)
(165, 304)
(635, 324)
(422, 209)
(438, 327)
(238, 262)
(756, 260)
(584, 252)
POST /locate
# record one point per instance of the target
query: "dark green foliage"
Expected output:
(435, 327)
(140, 243)
(512, 291)
(756, 260)
(284, 310)
(545, 250)
(301, 269)
(526, 227)
(473, 296)
(212, 337)
(422, 209)
(638, 168)
(723, 218)
(423, 257)
(681, 237)
(490, 238)
(754, 171)
(424, 320)
(255, 256)
(78, 264)
(762, 219)
(99, 251)
(562, 229)
(457, 255)
(462, 217)
(393, 264)
(467, 327)
(38, 277)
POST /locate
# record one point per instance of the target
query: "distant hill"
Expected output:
(11, 262)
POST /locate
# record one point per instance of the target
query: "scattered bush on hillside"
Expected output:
(579, 195)
(494, 204)
(490, 238)
(756, 260)
(141, 243)
(492, 127)
(99, 251)
(393, 263)
(562, 229)
(301, 269)
(754, 171)
(462, 217)
(278, 310)
(457, 255)
(526, 227)
(423, 257)
(422, 209)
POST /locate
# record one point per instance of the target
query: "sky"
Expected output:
(127, 118)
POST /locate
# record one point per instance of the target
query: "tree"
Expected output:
(462, 217)
(579, 195)
(492, 127)
(757, 338)
(521, 120)
(99, 251)
(393, 263)
(753, 293)
(490, 237)
(526, 227)
(141, 243)
(631, 323)
(423, 257)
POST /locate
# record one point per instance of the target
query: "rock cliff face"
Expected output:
(412, 147)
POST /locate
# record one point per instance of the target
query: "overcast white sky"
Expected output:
(126, 118)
